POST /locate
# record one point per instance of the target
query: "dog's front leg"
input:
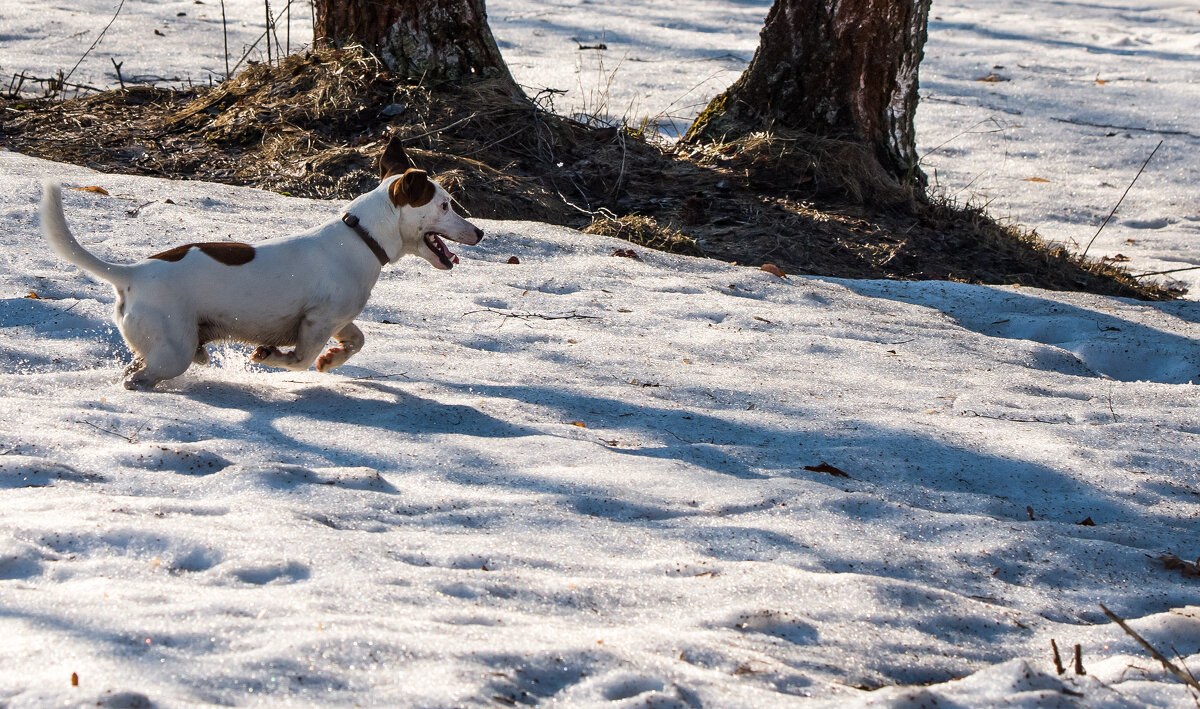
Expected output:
(310, 340)
(350, 340)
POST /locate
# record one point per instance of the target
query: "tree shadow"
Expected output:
(1089, 342)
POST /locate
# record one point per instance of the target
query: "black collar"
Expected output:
(352, 222)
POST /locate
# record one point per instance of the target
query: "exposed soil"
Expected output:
(313, 126)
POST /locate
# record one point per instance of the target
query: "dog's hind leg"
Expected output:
(350, 340)
(200, 356)
(165, 362)
(162, 349)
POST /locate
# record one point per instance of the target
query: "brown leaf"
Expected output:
(1171, 562)
(993, 78)
(580, 424)
(626, 253)
(33, 296)
(93, 188)
(1086, 522)
(773, 270)
(1036, 179)
(74, 679)
(514, 260)
(827, 468)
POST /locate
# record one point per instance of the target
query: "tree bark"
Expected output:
(431, 41)
(842, 69)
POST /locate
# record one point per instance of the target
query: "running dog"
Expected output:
(294, 291)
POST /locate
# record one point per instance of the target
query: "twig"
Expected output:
(260, 38)
(1171, 270)
(117, 66)
(1079, 660)
(1119, 201)
(435, 131)
(1160, 131)
(131, 439)
(267, 7)
(531, 316)
(1058, 665)
(1035, 419)
(96, 43)
(225, 34)
(1169, 666)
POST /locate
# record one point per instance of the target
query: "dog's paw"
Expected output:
(262, 354)
(331, 358)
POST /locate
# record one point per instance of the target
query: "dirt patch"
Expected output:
(313, 125)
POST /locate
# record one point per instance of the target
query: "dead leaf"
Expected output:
(580, 424)
(1171, 562)
(993, 78)
(514, 260)
(1086, 522)
(827, 468)
(773, 270)
(626, 253)
(74, 679)
(92, 188)
(1036, 179)
(33, 296)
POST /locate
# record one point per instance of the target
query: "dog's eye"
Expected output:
(445, 206)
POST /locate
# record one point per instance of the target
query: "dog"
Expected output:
(294, 291)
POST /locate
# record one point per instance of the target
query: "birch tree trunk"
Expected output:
(843, 69)
(422, 40)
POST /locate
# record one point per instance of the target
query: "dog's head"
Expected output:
(425, 210)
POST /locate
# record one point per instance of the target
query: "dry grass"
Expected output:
(645, 231)
(312, 126)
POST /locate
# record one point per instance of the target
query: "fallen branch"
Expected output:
(1185, 677)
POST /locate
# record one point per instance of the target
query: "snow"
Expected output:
(581, 479)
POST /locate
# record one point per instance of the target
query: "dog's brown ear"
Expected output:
(415, 189)
(394, 160)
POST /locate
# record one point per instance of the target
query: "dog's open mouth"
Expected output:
(438, 247)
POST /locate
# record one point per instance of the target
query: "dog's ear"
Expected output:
(394, 160)
(415, 189)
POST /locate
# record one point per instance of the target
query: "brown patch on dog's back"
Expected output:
(227, 252)
(415, 189)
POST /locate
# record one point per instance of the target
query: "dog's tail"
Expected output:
(54, 228)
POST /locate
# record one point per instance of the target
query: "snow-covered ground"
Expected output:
(583, 479)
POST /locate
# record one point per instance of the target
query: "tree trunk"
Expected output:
(422, 40)
(841, 69)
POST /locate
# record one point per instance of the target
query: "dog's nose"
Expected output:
(478, 233)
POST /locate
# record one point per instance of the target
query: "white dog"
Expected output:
(296, 291)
